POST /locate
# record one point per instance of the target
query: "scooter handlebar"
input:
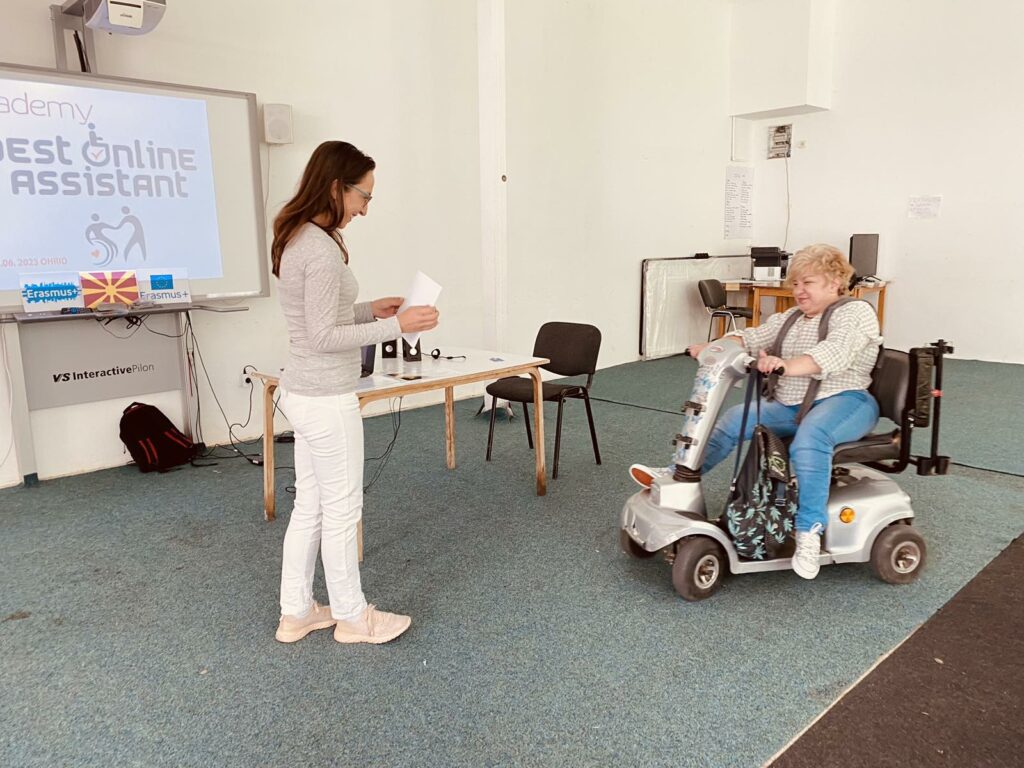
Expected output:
(752, 368)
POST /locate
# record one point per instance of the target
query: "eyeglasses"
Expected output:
(367, 197)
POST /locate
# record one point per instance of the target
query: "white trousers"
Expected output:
(328, 503)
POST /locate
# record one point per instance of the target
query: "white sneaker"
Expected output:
(808, 547)
(645, 476)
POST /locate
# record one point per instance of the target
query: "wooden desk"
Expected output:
(479, 365)
(783, 295)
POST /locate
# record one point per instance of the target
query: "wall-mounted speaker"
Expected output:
(277, 124)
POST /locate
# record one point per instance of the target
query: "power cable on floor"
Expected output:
(634, 405)
(986, 469)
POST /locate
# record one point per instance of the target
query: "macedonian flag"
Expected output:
(109, 288)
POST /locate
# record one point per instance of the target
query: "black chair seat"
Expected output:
(890, 386)
(739, 312)
(880, 447)
(520, 390)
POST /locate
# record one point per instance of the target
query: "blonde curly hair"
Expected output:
(821, 259)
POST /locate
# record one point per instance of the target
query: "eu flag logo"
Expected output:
(161, 282)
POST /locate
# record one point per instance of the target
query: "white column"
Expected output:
(493, 178)
(20, 463)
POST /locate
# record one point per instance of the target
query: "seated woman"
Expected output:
(843, 409)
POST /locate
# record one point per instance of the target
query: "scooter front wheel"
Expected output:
(898, 554)
(699, 568)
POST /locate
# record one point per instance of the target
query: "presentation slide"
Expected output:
(98, 179)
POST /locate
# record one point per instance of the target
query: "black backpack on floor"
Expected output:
(154, 442)
(763, 495)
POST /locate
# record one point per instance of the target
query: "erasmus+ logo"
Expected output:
(49, 293)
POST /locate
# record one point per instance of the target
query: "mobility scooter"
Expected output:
(870, 517)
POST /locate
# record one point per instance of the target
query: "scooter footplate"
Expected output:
(654, 527)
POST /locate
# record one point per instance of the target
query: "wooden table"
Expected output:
(783, 295)
(397, 378)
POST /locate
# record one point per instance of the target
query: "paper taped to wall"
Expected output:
(924, 206)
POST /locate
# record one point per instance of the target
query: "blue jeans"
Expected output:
(832, 420)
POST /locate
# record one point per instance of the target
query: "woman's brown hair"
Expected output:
(821, 259)
(332, 161)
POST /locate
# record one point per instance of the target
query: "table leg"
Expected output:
(449, 426)
(756, 306)
(881, 308)
(269, 502)
(538, 437)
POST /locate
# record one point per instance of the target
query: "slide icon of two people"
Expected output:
(107, 248)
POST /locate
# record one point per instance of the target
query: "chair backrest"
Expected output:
(571, 347)
(711, 293)
(890, 383)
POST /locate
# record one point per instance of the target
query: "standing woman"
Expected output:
(326, 328)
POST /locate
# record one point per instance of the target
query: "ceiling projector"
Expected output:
(123, 17)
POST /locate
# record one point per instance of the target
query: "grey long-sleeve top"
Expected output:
(326, 328)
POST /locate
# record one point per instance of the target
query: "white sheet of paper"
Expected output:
(739, 207)
(924, 206)
(422, 292)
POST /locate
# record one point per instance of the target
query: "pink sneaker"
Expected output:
(291, 629)
(372, 627)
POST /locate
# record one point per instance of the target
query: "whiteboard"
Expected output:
(104, 173)
(672, 315)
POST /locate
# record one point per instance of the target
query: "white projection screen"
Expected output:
(103, 173)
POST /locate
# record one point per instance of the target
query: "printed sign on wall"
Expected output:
(51, 291)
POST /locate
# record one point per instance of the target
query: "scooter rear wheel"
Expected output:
(699, 568)
(631, 548)
(898, 554)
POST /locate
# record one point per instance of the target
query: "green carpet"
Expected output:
(137, 611)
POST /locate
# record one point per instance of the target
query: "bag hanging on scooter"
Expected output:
(763, 497)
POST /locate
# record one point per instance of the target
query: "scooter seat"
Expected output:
(877, 447)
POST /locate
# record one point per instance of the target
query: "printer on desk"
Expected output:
(768, 263)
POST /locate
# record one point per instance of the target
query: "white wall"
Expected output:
(398, 79)
(777, 52)
(617, 145)
(929, 99)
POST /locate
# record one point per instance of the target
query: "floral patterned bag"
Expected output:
(763, 495)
